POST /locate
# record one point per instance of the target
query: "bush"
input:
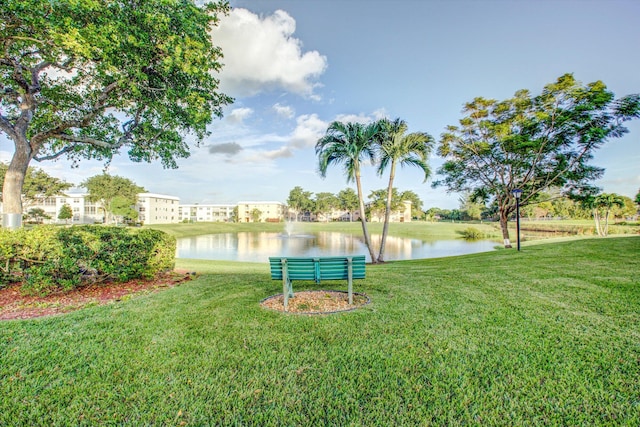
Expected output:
(471, 233)
(48, 259)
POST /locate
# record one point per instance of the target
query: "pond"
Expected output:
(258, 247)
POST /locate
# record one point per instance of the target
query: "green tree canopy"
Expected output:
(324, 203)
(37, 215)
(602, 205)
(121, 206)
(471, 209)
(378, 202)
(416, 203)
(532, 143)
(87, 79)
(255, 214)
(300, 200)
(65, 213)
(348, 201)
(106, 188)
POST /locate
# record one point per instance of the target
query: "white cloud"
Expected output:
(308, 130)
(238, 115)
(354, 118)
(260, 54)
(281, 152)
(283, 111)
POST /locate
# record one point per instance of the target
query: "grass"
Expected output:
(545, 336)
(426, 231)
(418, 230)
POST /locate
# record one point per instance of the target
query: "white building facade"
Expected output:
(206, 213)
(158, 209)
(261, 211)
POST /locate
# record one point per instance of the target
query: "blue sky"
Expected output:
(295, 66)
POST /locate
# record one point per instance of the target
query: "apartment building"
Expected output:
(261, 211)
(83, 211)
(205, 213)
(158, 209)
(152, 208)
(403, 214)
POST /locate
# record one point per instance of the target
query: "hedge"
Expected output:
(47, 259)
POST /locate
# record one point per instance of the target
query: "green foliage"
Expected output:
(532, 143)
(37, 183)
(471, 209)
(472, 233)
(324, 203)
(116, 194)
(37, 215)
(87, 79)
(300, 200)
(122, 206)
(255, 214)
(50, 258)
(416, 203)
(348, 201)
(349, 145)
(65, 212)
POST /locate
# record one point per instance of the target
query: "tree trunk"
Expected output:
(504, 220)
(605, 231)
(596, 219)
(13, 183)
(363, 219)
(387, 212)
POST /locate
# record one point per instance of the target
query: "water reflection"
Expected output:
(258, 247)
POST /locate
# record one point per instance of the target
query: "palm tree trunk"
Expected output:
(596, 219)
(363, 219)
(387, 212)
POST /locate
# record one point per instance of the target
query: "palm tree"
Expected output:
(395, 147)
(349, 144)
(605, 201)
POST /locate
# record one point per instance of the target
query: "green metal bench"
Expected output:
(317, 269)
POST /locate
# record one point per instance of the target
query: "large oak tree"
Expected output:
(532, 143)
(87, 79)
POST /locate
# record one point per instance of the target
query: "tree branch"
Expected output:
(59, 130)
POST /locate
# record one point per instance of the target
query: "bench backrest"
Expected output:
(318, 268)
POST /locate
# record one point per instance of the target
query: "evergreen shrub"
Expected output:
(48, 259)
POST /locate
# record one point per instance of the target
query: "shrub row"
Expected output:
(47, 258)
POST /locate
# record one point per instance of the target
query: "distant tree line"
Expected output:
(552, 205)
(302, 203)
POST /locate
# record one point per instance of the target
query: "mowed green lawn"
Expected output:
(546, 336)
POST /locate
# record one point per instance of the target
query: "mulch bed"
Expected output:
(316, 302)
(14, 305)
